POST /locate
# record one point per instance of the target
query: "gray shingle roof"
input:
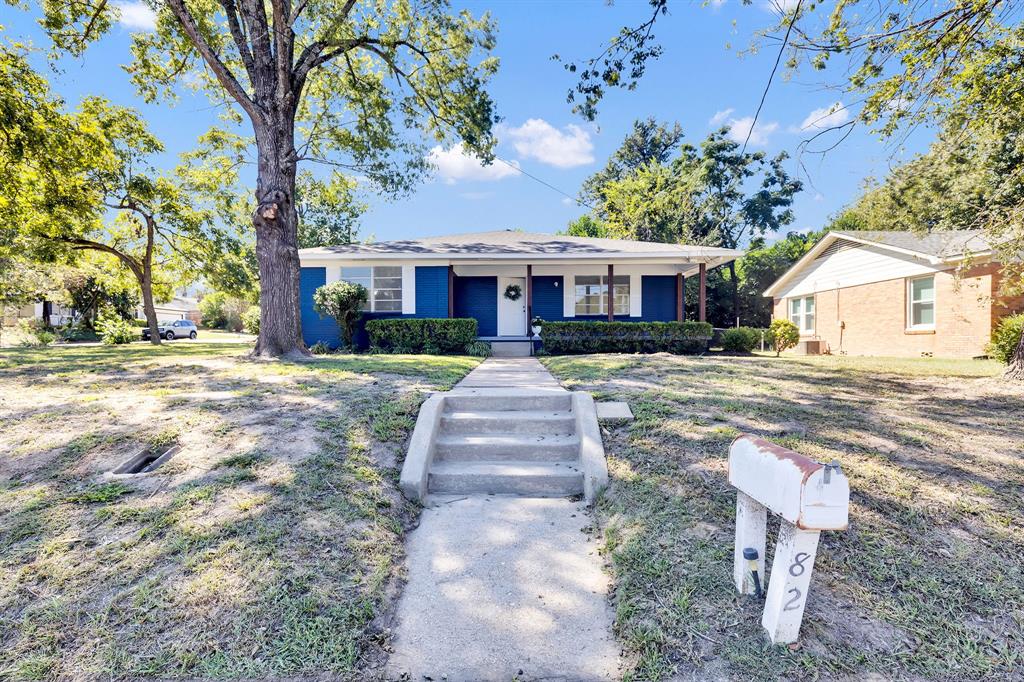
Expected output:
(940, 244)
(511, 243)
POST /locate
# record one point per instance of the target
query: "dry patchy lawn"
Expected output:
(271, 545)
(927, 583)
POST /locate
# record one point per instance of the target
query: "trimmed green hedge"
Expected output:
(421, 335)
(625, 337)
(744, 339)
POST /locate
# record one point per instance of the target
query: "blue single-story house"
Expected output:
(468, 275)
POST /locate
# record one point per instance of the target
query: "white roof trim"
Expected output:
(698, 254)
(831, 237)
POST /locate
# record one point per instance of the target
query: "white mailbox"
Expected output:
(810, 497)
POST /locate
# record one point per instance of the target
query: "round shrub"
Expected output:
(1005, 338)
(115, 331)
(741, 339)
(342, 301)
(251, 319)
(784, 335)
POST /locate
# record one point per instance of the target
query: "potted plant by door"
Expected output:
(535, 325)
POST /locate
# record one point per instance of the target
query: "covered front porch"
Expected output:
(505, 298)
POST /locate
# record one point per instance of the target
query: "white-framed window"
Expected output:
(383, 285)
(801, 313)
(921, 303)
(592, 295)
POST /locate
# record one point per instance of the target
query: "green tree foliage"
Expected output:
(251, 320)
(658, 189)
(342, 82)
(329, 210)
(83, 182)
(342, 301)
(763, 264)
(220, 310)
(586, 226)
(649, 142)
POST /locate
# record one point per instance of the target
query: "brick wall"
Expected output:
(1004, 304)
(873, 317)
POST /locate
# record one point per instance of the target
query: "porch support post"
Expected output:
(529, 296)
(680, 293)
(611, 290)
(451, 291)
(702, 297)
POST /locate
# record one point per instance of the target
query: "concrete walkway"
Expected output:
(503, 588)
(509, 373)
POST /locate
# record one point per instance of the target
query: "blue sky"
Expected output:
(701, 81)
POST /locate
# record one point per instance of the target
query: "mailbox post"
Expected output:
(810, 497)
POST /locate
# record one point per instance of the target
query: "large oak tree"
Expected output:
(357, 85)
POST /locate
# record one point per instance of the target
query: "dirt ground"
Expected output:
(927, 583)
(270, 545)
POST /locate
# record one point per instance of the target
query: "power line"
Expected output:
(771, 77)
(545, 183)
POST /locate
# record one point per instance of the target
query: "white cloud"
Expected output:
(720, 117)
(455, 164)
(137, 16)
(780, 6)
(740, 127)
(538, 139)
(826, 117)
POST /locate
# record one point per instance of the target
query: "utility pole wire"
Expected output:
(546, 184)
(771, 77)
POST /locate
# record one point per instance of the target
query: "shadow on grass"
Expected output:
(266, 548)
(925, 581)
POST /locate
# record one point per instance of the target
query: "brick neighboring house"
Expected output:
(895, 293)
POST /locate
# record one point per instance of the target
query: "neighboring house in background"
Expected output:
(58, 314)
(895, 293)
(178, 308)
(467, 275)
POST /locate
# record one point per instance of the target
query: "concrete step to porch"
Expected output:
(533, 479)
(508, 421)
(508, 400)
(510, 349)
(507, 446)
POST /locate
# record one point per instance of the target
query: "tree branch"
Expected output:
(231, 11)
(220, 70)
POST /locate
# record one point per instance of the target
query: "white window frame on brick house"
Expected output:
(383, 296)
(593, 289)
(920, 303)
(801, 312)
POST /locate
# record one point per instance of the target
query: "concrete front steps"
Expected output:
(532, 443)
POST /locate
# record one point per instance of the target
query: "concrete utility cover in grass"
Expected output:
(502, 588)
(614, 410)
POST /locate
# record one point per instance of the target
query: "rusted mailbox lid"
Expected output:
(790, 484)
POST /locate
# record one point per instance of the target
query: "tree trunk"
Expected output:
(276, 222)
(735, 293)
(1016, 368)
(146, 284)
